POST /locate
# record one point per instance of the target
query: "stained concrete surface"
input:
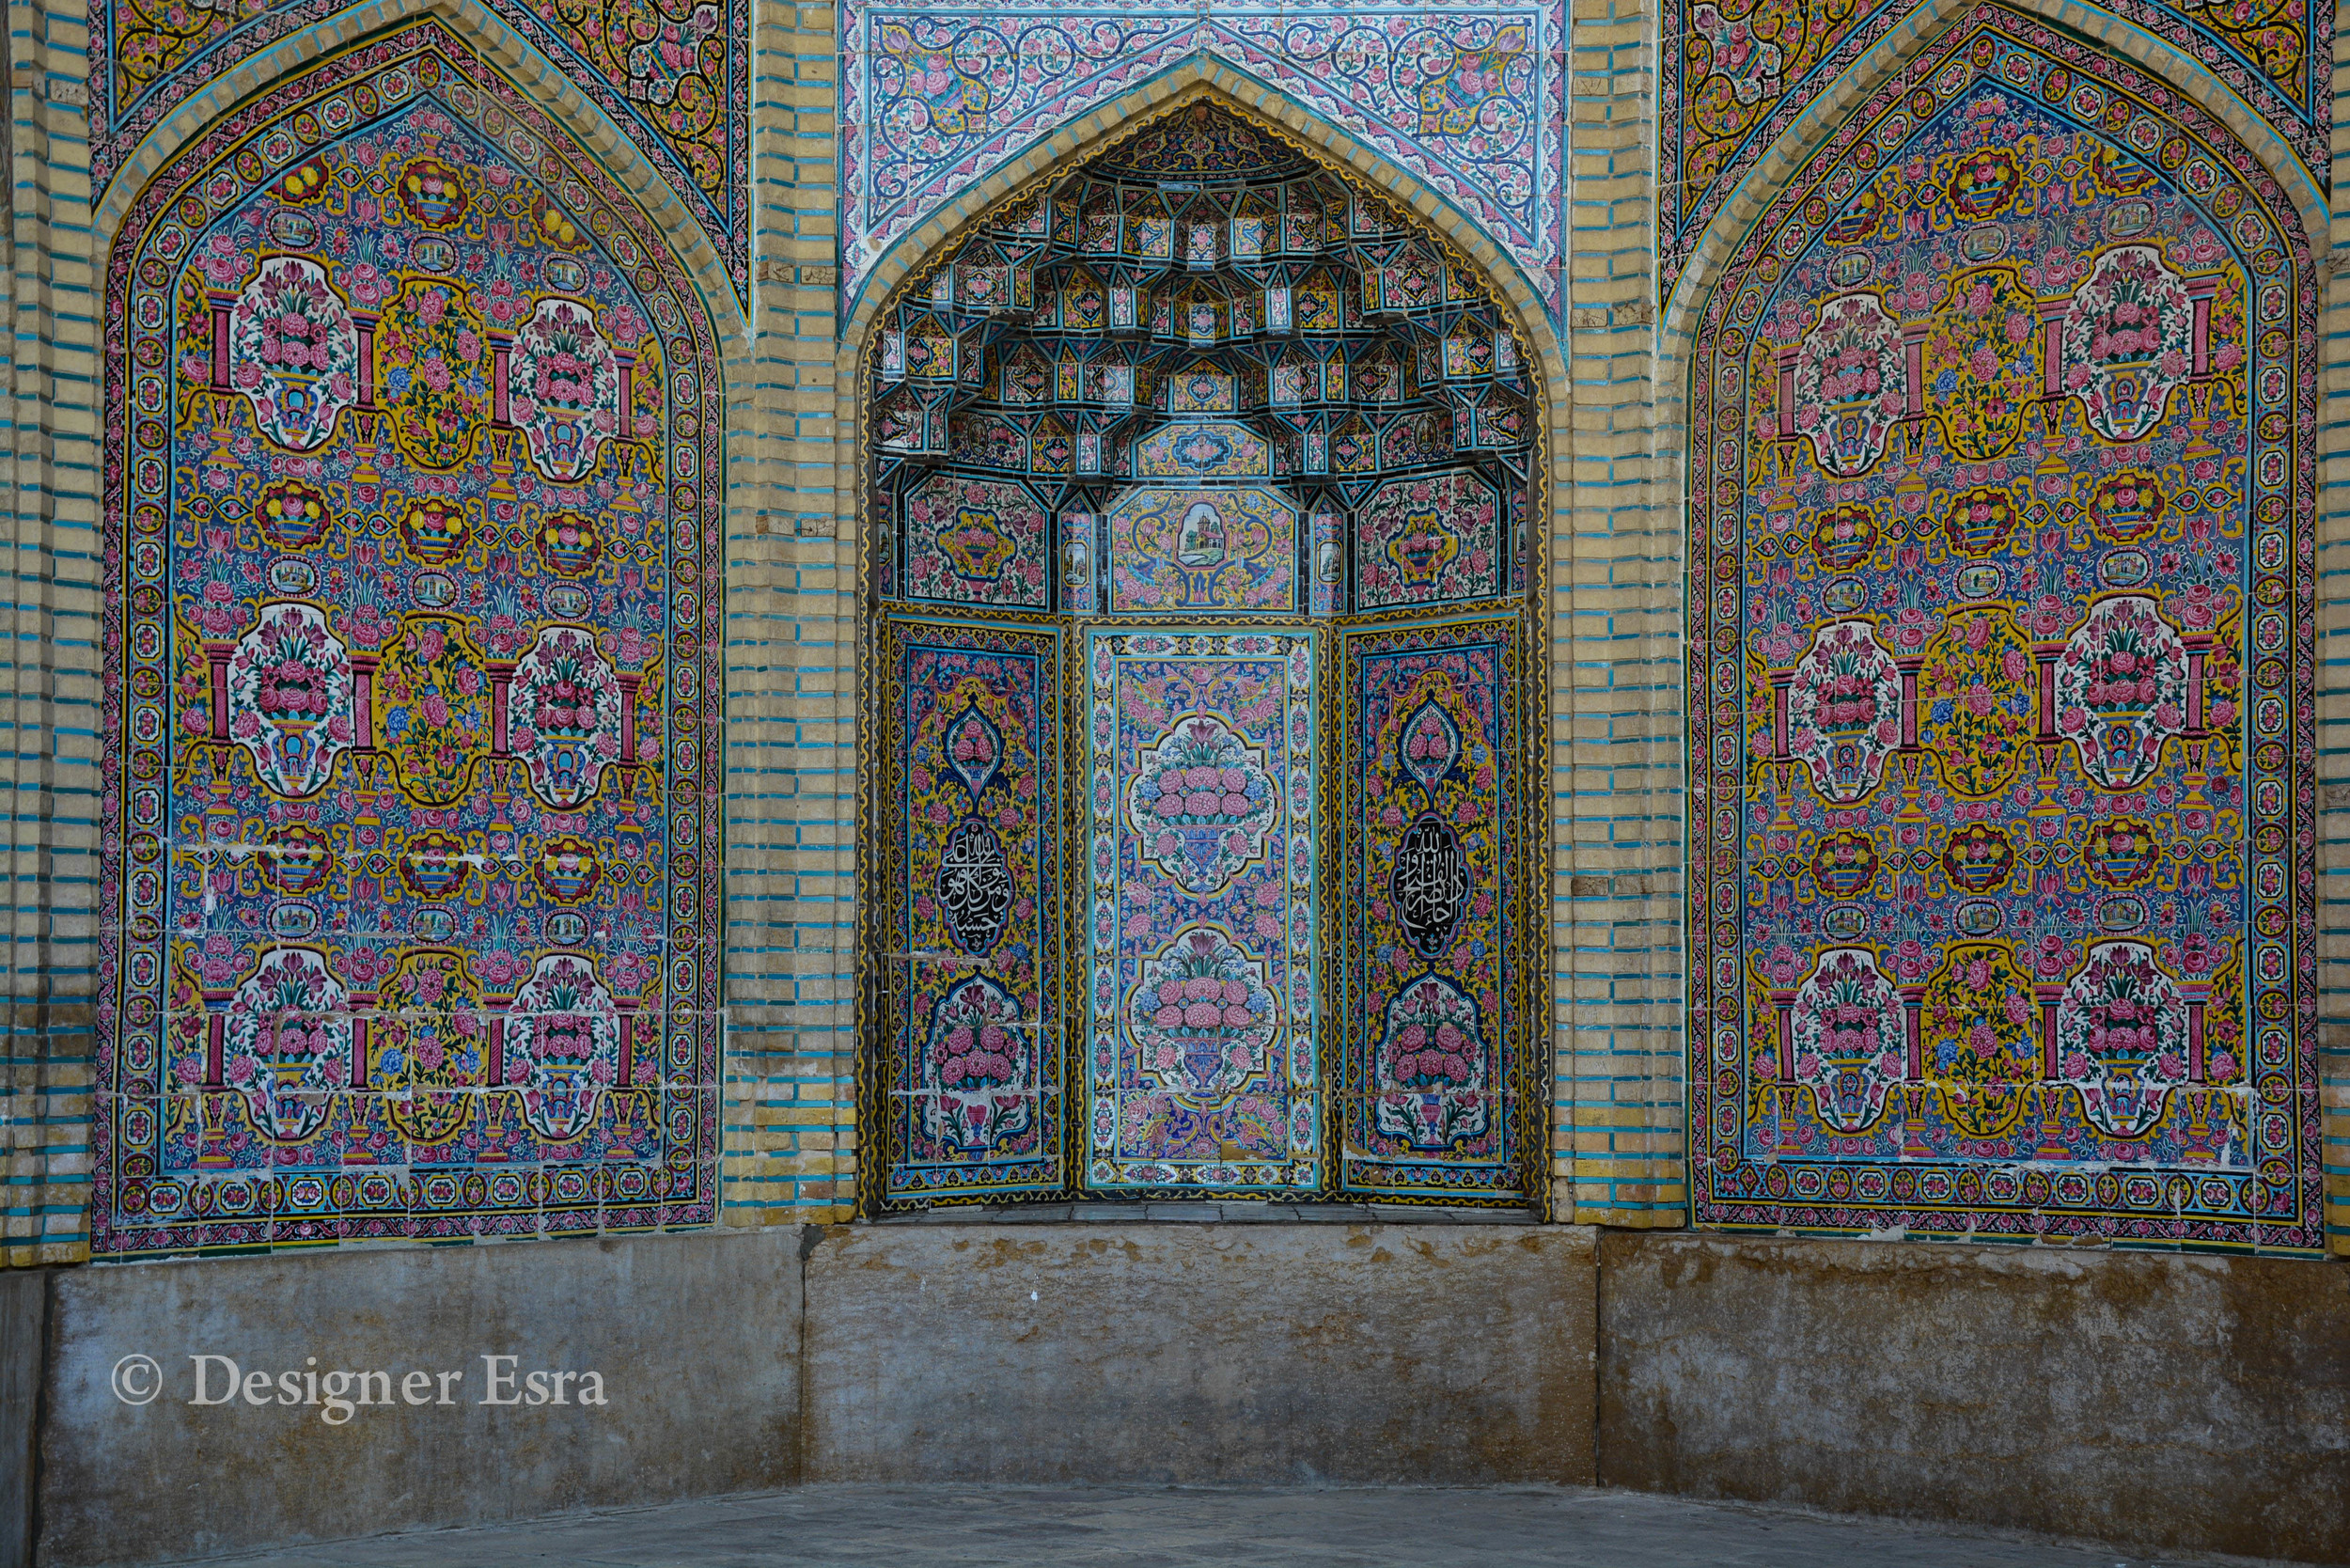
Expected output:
(1360, 1352)
(1135, 1526)
(23, 1330)
(2172, 1401)
(696, 1335)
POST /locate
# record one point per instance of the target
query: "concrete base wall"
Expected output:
(2163, 1403)
(2184, 1403)
(1182, 1353)
(696, 1337)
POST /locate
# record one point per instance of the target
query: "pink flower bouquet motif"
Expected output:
(2120, 688)
(1203, 1017)
(562, 1046)
(287, 1043)
(1851, 382)
(1431, 1067)
(2128, 341)
(564, 386)
(1201, 804)
(1843, 710)
(978, 1069)
(2121, 1033)
(1851, 1039)
(290, 698)
(293, 352)
(564, 715)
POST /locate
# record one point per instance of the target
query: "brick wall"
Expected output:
(50, 663)
(788, 1103)
(1617, 728)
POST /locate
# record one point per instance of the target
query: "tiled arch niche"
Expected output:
(1197, 859)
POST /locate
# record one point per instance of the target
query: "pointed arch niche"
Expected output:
(1201, 852)
(412, 487)
(2001, 511)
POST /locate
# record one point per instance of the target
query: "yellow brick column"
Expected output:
(49, 475)
(788, 1102)
(1617, 730)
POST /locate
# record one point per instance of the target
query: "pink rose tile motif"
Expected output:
(1430, 1088)
(973, 1103)
(1467, 94)
(456, 710)
(2003, 605)
(1737, 74)
(1200, 1036)
(1429, 538)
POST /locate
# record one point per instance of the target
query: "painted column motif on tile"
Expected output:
(1431, 814)
(1201, 1071)
(674, 76)
(1466, 95)
(1737, 73)
(974, 917)
(2002, 695)
(411, 846)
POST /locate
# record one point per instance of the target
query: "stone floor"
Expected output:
(1159, 1526)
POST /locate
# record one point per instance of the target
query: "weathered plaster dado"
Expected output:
(2189, 1403)
(1427, 1353)
(2195, 1404)
(696, 1337)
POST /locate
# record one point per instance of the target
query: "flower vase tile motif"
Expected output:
(1737, 73)
(1467, 96)
(413, 846)
(1428, 1085)
(673, 75)
(975, 541)
(1430, 539)
(2003, 729)
(1200, 1068)
(973, 974)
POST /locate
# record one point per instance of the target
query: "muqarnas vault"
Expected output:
(1205, 711)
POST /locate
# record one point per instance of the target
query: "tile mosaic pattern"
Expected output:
(1466, 95)
(1201, 764)
(1203, 552)
(1430, 539)
(2003, 738)
(1215, 353)
(1429, 1085)
(1736, 73)
(411, 855)
(974, 977)
(674, 76)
